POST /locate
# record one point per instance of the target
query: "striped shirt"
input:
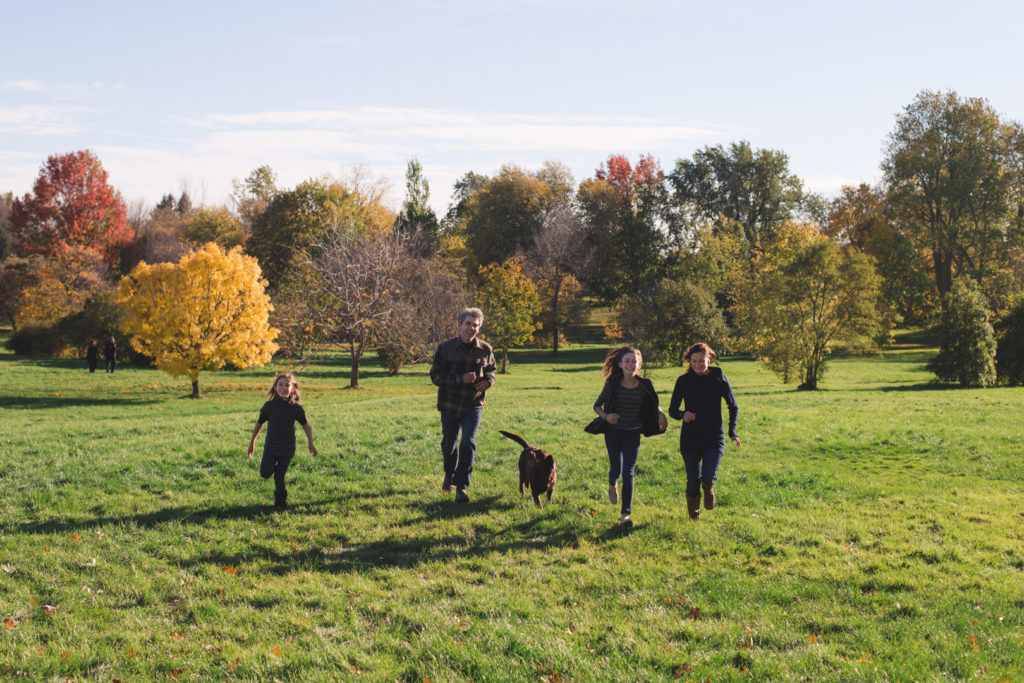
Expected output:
(627, 405)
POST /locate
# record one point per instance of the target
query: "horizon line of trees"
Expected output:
(726, 247)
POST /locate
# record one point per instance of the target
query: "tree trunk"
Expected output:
(195, 389)
(942, 261)
(504, 361)
(554, 318)
(353, 376)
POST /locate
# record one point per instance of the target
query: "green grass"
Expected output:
(869, 531)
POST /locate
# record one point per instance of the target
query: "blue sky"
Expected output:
(194, 94)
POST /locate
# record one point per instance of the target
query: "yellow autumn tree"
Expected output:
(209, 309)
(510, 304)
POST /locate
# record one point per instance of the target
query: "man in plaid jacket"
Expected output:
(463, 371)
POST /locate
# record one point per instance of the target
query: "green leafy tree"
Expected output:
(949, 168)
(967, 354)
(292, 222)
(753, 187)
(623, 207)
(671, 317)
(511, 305)
(859, 216)
(417, 219)
(1010, 345)
(214, 225)
(505, 215)
(805, 295)
(251, 196)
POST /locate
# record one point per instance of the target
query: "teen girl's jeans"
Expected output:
(702, 467)
(459, 463)
(623, 448)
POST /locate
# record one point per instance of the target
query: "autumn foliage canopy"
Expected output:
(206, 311)
(71, 205)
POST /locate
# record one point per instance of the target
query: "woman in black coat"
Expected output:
(700, 392)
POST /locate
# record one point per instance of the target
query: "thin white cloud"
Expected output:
(27, 86)
(458, 131)
(38, 119)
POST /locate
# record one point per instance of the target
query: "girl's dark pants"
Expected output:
(277, 465)
(623, 448)
(702, 466)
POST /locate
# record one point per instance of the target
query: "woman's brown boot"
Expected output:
(693, 505)
(709, 496)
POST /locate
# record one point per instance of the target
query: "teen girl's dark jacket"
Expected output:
(648, 407)
(702, 395)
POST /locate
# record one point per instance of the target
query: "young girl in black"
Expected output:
(282, 411)
(702, 440)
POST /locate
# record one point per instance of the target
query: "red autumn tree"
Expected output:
(71, 205)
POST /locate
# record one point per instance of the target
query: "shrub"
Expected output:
(1010, 349)
(968, 350)
(393, 357)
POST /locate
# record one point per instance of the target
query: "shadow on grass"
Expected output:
(49, 402)
(178, 515)
(406, 551)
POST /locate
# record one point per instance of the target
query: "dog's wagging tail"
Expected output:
(536, 468)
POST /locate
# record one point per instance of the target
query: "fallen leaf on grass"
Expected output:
(277, 653)
(48, 610)
(230, 569)
(7, 568)
(75, 538)
(10, 623)
(814, 639)
(176, 672)
(863, 660)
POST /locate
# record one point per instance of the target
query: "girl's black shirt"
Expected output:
(702, 395)
(281, 417)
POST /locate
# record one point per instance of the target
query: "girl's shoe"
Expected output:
(613, 494)
(626, 521)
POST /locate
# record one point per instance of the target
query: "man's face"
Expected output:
(468, 329)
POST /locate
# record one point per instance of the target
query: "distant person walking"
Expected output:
(282, 411)
(92, 355)
(700, 392)
(629, 404)
(463, 371)
(110, 354)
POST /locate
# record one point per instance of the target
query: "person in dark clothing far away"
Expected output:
(92, 355)
(700, 393)
(463, 371)
(110, 354)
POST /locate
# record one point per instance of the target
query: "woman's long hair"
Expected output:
(611, 362)
(293, 397)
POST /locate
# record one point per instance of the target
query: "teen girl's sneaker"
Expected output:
(626, 521)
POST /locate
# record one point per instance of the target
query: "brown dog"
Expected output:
(536, 467)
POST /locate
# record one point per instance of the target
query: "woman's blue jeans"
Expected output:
(702, 467)
(623, 449)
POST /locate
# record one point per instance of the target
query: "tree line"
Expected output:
(727, 246)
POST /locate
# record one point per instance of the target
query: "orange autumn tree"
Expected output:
(71, 205)
(206, 311)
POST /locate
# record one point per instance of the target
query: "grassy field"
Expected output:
(873, 530)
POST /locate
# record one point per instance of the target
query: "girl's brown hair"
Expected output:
(700, 347)
(293, 397)
(611, 362)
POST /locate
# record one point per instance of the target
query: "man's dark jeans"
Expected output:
(459, 462)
